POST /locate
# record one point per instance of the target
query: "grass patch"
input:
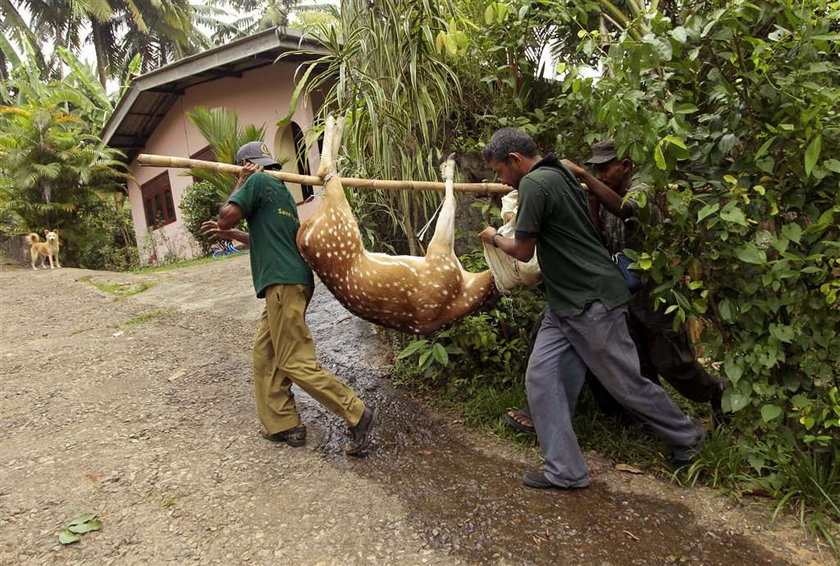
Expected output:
(181, 264)
(167, 501)
(122, 290)
(148, 317)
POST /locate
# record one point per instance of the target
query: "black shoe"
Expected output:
(537, 480)
(293, 437)
(684, 455)
(719, 418)
(361, 432)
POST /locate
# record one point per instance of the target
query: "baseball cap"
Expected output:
(257, 152)
(602, 152)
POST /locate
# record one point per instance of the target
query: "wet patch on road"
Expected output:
(473, 504)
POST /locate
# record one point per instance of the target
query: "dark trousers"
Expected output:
(596, 339)
(663, 352)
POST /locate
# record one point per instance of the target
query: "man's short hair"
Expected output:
(506, 141)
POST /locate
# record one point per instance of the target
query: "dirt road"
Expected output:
(139, 410)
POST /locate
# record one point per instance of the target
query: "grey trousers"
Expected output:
(598, 339)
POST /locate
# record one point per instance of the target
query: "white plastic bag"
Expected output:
(510, 273)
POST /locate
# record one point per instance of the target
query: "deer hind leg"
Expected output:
(443, 240)
(327, 163)
(338, 131)
(333, 129)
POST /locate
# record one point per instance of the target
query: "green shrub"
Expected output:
(200, 202)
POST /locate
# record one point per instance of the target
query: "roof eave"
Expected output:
(202, 62)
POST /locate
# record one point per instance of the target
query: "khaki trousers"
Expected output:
(285, 354)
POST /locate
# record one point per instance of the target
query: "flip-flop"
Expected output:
(516, 425)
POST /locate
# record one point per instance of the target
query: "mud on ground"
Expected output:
(140, 409)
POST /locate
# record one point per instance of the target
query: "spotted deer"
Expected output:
(407, 293)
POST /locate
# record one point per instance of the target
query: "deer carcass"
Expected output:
(407, 293)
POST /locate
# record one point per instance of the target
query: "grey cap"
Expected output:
(602, 152)
(257, 152)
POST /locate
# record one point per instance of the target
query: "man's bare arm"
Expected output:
(518, 248)
(611, 200)
(211, 230)
(230, 214)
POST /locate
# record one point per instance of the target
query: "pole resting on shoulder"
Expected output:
(149, 160)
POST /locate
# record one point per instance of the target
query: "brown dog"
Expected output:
(48, 249)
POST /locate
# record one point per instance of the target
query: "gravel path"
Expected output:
(139, 409)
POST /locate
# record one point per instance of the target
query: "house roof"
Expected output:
(149, 97)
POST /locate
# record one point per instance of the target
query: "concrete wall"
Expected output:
(14, 250)
(259, 97)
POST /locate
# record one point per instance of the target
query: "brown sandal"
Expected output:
(519, 420)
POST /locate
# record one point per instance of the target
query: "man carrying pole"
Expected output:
(284, 353)
(585, 323)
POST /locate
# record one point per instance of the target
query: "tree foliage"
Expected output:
(224, 135)
(54, 172)
(399, 97)
(732, 115)
(730, 112)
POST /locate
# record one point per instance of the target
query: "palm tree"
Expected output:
(398, 93)
(50, 163)
(161, 30)
(258, 15)
(16, 31)
(220, 127)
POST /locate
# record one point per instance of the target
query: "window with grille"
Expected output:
(157, 201)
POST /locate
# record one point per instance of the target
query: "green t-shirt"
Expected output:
(272, 227)
(576, 266)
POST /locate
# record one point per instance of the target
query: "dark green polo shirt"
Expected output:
(272, 227)
(576, 266)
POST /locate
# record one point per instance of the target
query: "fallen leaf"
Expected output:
(118, 334)
(93, 525)
(425, 452)
(631, 535)
(95, 478)
(628, 468)
(66, 537)
(178, 374)
(82, 519)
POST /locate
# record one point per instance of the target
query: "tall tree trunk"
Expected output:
(4, 74)
(101, 58)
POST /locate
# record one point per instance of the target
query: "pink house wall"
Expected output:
(259, 97)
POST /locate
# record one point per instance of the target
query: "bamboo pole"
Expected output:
(150, 160)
